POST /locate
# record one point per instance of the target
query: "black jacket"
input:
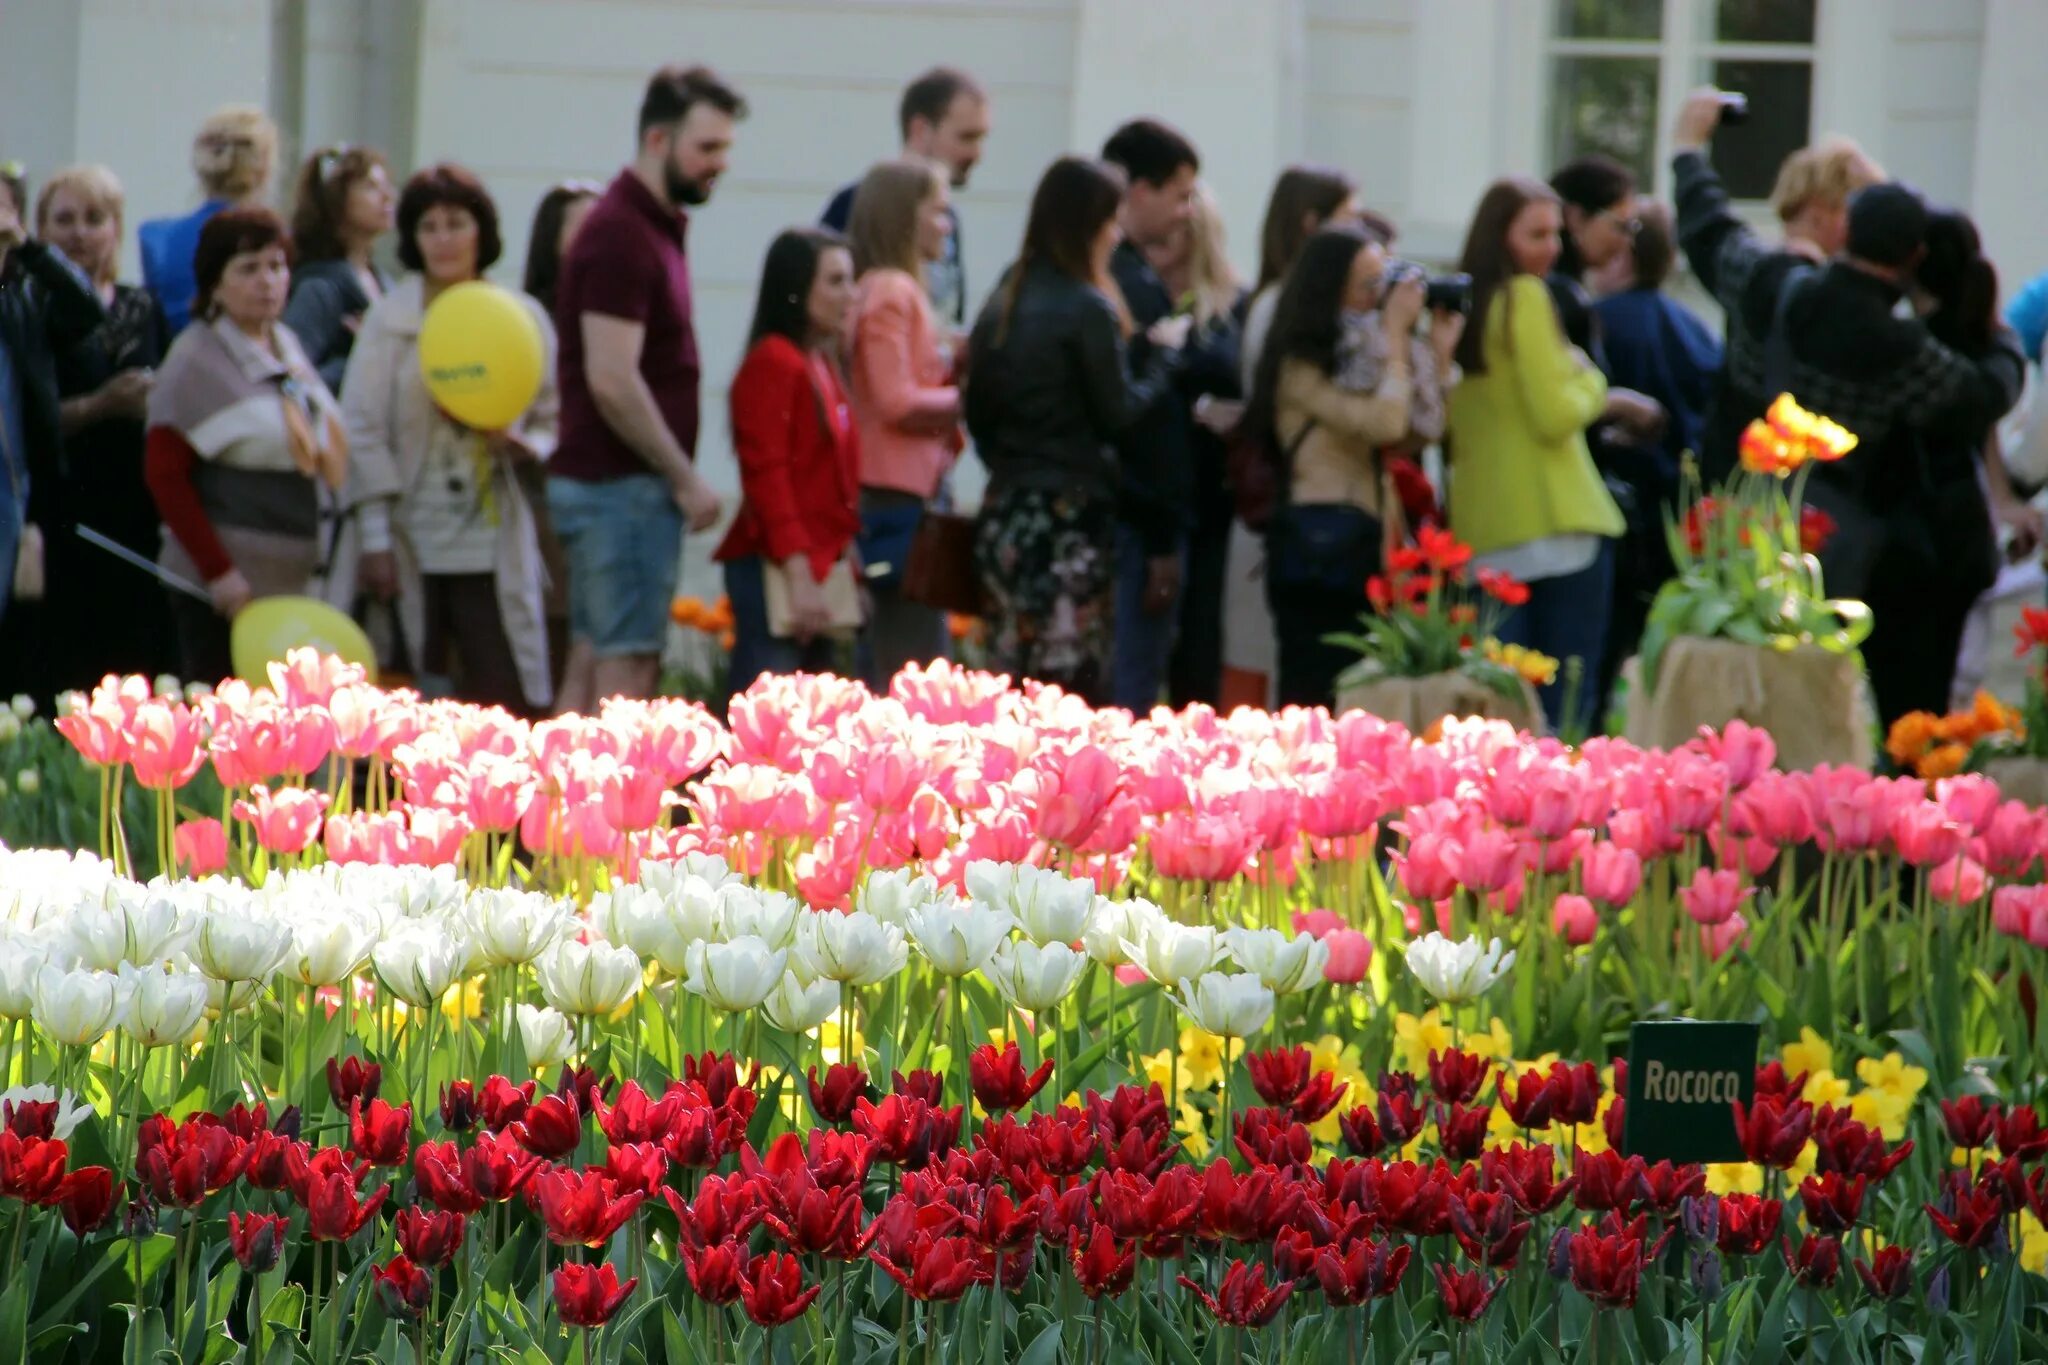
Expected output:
(1155, 492)
(45, 307)
(325, 295)
(1051, 388)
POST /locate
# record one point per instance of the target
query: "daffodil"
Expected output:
(829, 1045)
(1891, 1073)
(1415, 1038)
(1824, 1087)
(1882, 1109)
(1735, 1177)
(1194, 1128)
(1160, 1071)
(1812, 1053)
(2033, 1243)
(1202, 1058)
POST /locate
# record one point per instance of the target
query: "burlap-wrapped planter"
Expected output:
(1815, 704)
(2020, 779)
(1419, 703)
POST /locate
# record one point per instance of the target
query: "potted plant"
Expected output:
(1745, 630)
(2007, 744)
(1429, 647)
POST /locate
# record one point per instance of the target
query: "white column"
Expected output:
(1852, 48)
(1227, 73)
(1466, 130)
(2011, 161)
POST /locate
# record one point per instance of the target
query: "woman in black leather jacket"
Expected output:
(1049, 389)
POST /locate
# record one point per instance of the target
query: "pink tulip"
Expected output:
(1714, 896)
(889, 780)
(1645, 832)
(825, 874)
(1202, 846)
(1750, 855)
(1318, 923)
(632, 798)
(99, 729)
(1575, 919)
(1960, 882)
(1116, 831)
(1559, 855)
(1855, 823)
(1554, 805)
(1744, 751)
(1720, 938)
(1694, 791)
(1347, 803)
(1350, 956)
(166, 746)
(1425, 866)
(286, 820)
(1926, 836)
(498, 793)
(2012, 839)
(200, 847)
(306, 677)
(1002, 836)
(1611, 874)
(2010, 908)
(1777, 809)
(435, 837)
(1969, 799)
(679, 740)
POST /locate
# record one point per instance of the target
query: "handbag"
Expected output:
(842, 598)
(940, 571)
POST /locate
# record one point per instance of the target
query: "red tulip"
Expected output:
(1967, 1217)
(1401, 1118)
(906, 1131)
(1065, 1139)
(29, 1118)
(636, 1166)
(1415, 1199)
(832, 1100)
(1129, 1108)
(437, 1168)
(587, 1296)
(1361, 1131)
(773, 1289)
(1243, 1299)
(380, 1133)
(256, 1239)
(1278, 1075)
(2018, 1133)
(636, 1117)
(185, 1163)
(1101, 1266)
(1604, 1180)
(1843, 1145)
(1272, 1137)
(1361, 1271)
(725, 1207)
(402, 1288)
(429, 1239)
(1607, 1267)
(459, 1111)
(1461, 1132)
(502, 1103)
(1578, 1092)
(717, 1271)
(823, 1223)
(1749, 1223)
(1969, 1121)
(1527, 1174)
(1774, 1131)
(1486, 1228)
(583, 1088)
(999, 1080)
(352, 1079)
(85, 1196)
(32, 1169)
(1466, 1293)
(1319, 1098)
(582, 1208)
(551, 1128)
(1529, 1099)
(1891, 1275)
(306, 1167)
(1772, 1080)
(496, 1167)
(1662, 1186)
(1456, 1076)
(717, 1072)
(333, 1213)
(1816, 1262)
(1833, 1203)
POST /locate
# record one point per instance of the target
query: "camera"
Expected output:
(1734, 110)
(1441, 293)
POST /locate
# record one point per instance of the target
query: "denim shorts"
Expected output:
(621, 539)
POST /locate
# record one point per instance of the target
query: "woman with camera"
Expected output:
(1327, 426)
(1525, 494)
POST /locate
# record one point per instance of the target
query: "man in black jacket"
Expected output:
(1153, 493)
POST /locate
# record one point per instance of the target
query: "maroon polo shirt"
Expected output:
(626, 263)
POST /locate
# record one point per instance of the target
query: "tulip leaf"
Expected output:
(1169, 1335)
(285, 1309)
(1045, 1348)
(1770, 1329)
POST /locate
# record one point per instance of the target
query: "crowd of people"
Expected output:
(252, 420)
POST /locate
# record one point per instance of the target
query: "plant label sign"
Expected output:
(1684, 1078)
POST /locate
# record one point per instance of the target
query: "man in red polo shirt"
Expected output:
(623, 480)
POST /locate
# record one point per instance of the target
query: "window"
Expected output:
(1618, 69)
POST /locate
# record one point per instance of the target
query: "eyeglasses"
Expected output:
(1630, 224)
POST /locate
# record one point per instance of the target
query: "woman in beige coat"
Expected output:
(434, 521)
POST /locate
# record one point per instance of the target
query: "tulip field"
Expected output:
(969, 1023)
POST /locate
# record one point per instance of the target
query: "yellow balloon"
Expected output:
(269, 627)
(481, 355)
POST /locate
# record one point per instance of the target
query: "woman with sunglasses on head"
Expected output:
(232, 155)
(343, 204)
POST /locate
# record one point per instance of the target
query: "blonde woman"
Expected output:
(104, 381)
(232, 155)
(904, 401)
(1194, 265)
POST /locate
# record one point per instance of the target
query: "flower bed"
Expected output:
(1143, 980)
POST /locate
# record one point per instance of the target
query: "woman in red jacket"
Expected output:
(799, 458)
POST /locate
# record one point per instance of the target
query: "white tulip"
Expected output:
(736, 975)
(708, 869)
(139, 928)
(70, 1113)
(894, 895)
(418, 960)
(1167, 951)
(660, 927)
(795, 1007)
(511, 928)
(1457, 972)
(21, 957)
(993, 882)
(547, 1036)
(1228, 1004)
(240, 944)
(328, 946)
(588, 978)
(76, 1007)
(1110, 923)
(230, 997)
(1035, 976)
(748, 912)
(958, 937)
(1051, 907)
(164, 1008)
(855, 948)
(1286, 963)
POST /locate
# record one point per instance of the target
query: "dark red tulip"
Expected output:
(1773, 1080)
(2018, 1133)
(637, 1118)
(1278, 1075)
(353, 1079)
(929, 1086)
(1103, 1266)
(1604, 1180)
(717, 1072)
(429, 1239)
(437, 1169)
(1890, 1276)
(1361, 1270)
(1969, 1121)
(85, 1197)
(999, 1080)
(636, 1166)
(1845, 1146)
(184, 1163)
(333, 1213)
(32, 1169)
(906, 1131)
(1401, 1117)
(1487, 1230)
(700, 1136)
(1361, 1131)
(268, 1157)
(1272, 1137)
(1748, 1223)
(256, 1239)
(1456, 1077)
(724, 1208)
(583, 1088)
(939, 1269)
(502, 1103)
(1614, 1123)
(1461, 1132)
(459, 1112)
(1140, 1210)
(1968, 1217)
(379, 1133)
(773, 1291)
(307, 1167)
(1773, 1131)
(1607, 1267)
(29, 1118)
(1662, 1186)
(1832, 1203)
(1815, 1262)
(551, 1128)
(1527, 1174)
(588, 1296)
(582, 1208)
(1319, 1098)
(1004, 1224)
(1577, 1090)
(822, 1223)
(716, 1272)
(1529, 1099)
(1415, 1199)
(1065, 1139)
(403, 1289)
(832, 1100)
(1129, 1109)
(497, 1168)
(1243, 1299)
(1465, 1293)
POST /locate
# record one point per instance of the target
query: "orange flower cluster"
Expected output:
(1934, 746)
(712, 618)
(1789, 436)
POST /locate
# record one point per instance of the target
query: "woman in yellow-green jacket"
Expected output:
(1524, 493)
